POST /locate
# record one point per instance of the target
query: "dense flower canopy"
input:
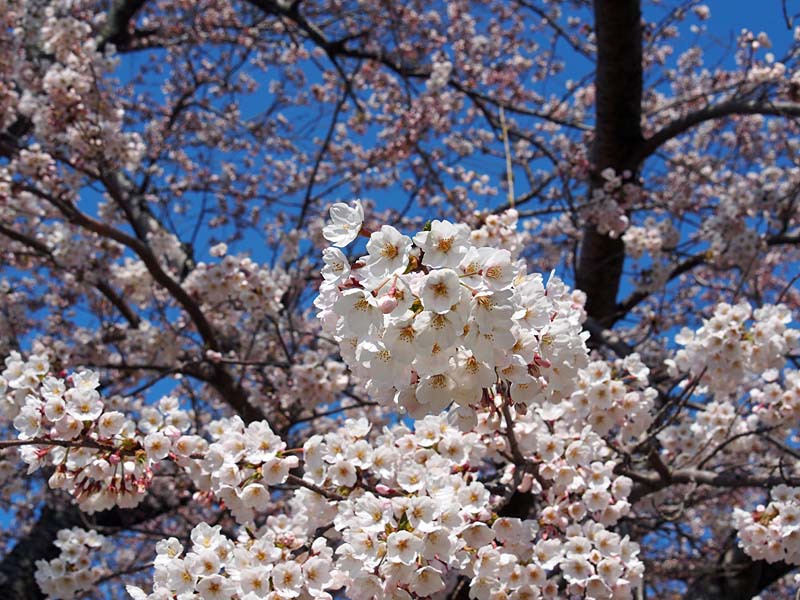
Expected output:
(476, 299)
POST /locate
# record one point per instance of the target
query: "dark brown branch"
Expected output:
(649, 483)
(624, 307)
(308, 199)
(737, 577)
(116, 30)
(106, 290)
(605, 337)
(119, 303)
(84, 443)
(717, 111)
(299, 481)
(17, 567)
(340, 48)
(220, 379)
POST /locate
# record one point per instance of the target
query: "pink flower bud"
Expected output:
(526, 483)
(382, 489)
(484, 515)
(541, 362)
(387, 303)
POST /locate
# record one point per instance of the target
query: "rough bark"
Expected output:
(737, 577)
(617, 138)
(117, 29)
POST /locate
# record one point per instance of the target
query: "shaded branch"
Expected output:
(624, 307)
(115, 31)
(717, 111)
(737, 577)
(104, 288)
(649, 483)
(220, 379)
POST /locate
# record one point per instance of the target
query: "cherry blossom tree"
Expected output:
(468, 299)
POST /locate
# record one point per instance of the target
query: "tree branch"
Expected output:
(737, 577)
(649, 483)
(221, 379)
(115, 30)
(717, 111)
(17, 568)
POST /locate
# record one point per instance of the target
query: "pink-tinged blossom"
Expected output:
(345, 223)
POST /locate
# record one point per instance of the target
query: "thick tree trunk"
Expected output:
(17, 568)
(618, 144)
(738, 577)
(617, 139)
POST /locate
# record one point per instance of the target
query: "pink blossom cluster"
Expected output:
(772, 532)
(778, 403)
(734, 346)
(102, 457)
(732, 241)
(61, 95)
(238, 285)
(718, 421)
(614, 398)
(411, 515)
(653, 238)
(239, 465)
(500, 231)
(74, 571)
(269, 563)
(737, 350)
(609, 202)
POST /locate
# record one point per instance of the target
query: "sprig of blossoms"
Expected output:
(435, 320)
(412, 513)
(736, 344)
(74, 570)
(265, 564)
(239, 466)
(102, 457)
(772, 532)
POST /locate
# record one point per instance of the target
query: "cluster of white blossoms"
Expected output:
(239, 465)
(437, 320)
(74, 571)
(237, 285)
(424, 517)
(607, 209)
(772, 532)
(102, 457)
(618, 398)
(267, 564)
(432, 324)
(408, 513)
(61, 95)
(778, 404)
(735, 345)
(654, 238)
(500, 231)
(737, 351)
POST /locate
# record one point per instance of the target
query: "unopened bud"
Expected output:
(387, 304)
